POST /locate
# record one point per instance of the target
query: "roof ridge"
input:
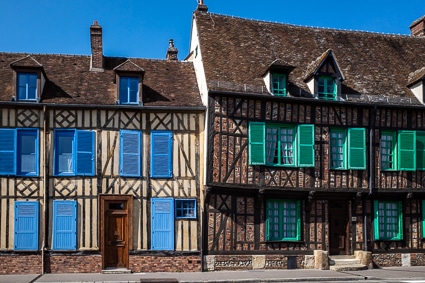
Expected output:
(314, 27)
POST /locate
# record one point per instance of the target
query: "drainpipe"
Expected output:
(45, 193)
(371, 168)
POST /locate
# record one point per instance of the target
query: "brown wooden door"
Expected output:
(338, 227)
(115, 230)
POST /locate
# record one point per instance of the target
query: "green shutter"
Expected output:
(257, 145)
(420, 150)
(376, 220)
(306, 145)
(298, 238)
(407, 150)
(357, 148)
(400, 220)
(423, 218)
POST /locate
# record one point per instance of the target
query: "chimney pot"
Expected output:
(201, 6)
(171, 51)
(96, 63)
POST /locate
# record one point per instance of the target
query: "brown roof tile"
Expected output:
(236, 51)
(166, 83)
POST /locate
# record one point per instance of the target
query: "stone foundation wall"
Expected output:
(20, 264)
(148, 263)
(398, 259)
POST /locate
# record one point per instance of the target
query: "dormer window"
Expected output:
(129, 79)
(327, 88)
(324, 77)
(129, 90)
(278, 84)
(276, 77)
(26, 86)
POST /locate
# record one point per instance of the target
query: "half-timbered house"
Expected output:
(100, 163)
(315, 143)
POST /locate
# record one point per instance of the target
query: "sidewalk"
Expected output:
(296, 275)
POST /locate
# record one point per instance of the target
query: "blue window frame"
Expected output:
(26, 225)
(162, 230)
(130, 153)
(129, 90)
(27, 86)
(64, 229)
(161, 154)
(19, 152)
(74, 152)
(185, 208)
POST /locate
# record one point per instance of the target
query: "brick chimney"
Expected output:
(417, 28)
(201, 6)
(171, 51)
(96, 63)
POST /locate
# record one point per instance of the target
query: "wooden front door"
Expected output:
(115, 230)
(339, 227)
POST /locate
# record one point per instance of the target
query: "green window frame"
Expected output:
(388, 220)
(402, 150)
(281, 145)
(348, 148)
(327, 88)
(278, 84)
(283, 220)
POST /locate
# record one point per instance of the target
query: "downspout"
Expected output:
(371, 167)
(45, 193)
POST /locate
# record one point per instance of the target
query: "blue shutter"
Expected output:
(85, 153)
(26, 225)
(133, 90)
(7, 151)
(64, 230)
(124, 90)
(161, 154)
(306, 145)
(27, 152)
(162, 223)
(130, 153)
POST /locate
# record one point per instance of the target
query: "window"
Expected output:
(281, 145)
(64, 230)
(348, 148)
(74, 152)
(388, 221)
(162, 211)
(19, 150)
(26, 86)
(283, 220)
(161, 154)
(129, 90)
(185, 208)
(278, 84)
(402, 150)
(327, 88)
(26, 225)
(130, 153)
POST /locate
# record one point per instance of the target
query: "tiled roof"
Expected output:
(70, 81)
(236, 51)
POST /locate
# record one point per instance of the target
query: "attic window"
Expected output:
(278, 84)
(26, 86)
(327, 88)
(129, 90)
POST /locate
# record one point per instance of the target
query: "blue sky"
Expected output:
(142, 28)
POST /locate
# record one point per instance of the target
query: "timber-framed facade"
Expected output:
(105, 163)
(312, 151)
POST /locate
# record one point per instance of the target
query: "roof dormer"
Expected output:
(276, 77)
(129, 79)
(415, 83)
(324, 77)
(29, 79)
